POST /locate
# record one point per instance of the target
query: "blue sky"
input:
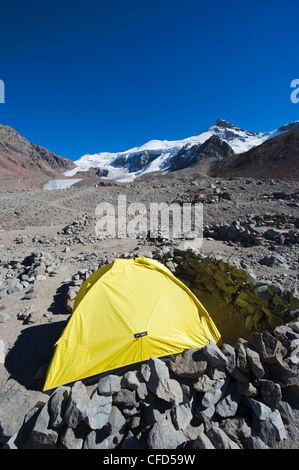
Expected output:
(108, 75)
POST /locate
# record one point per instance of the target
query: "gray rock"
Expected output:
(116, 421)
(236, 428)
(57, 406)
(213, 395)
(4, 317)
(163, 435)
(203, 384)
(254, 361)
(230, 354)
(254, 442)
(181, 416)
(214, 355)
(126, 399)
(98, 411)
(14, 404)
(130, 380)
(156, 410)
(271, 393)
(146, 372)
(95, 440)
(15, 288)
(190, 363)
(229, 403)
(220, 440)
(109, 385)
(42, 435)
(268, 347)
(69, 440)
(287, 336)
(161, 384)
(274, 261)
(77, 406)
(202, 442)
(265, 413)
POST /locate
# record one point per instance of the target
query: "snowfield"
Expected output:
(60, 184)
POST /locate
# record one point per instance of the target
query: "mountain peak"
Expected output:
(223, 123)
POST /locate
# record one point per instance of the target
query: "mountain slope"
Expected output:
(24, 165)
(164, 156)
(276, 158)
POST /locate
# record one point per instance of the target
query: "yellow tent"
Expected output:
(124, 313)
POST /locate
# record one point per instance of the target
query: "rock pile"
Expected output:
(209, 398)
(247, 232)
(260, 304)
(23, 275)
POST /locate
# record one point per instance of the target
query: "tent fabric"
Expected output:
(125, 313)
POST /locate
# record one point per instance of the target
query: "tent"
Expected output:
(125, 313)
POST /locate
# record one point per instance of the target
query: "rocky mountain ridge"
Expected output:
(166, 156)
(24, 165)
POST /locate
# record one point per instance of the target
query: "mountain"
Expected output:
(164, 156)
(277, 158)
(24, 165)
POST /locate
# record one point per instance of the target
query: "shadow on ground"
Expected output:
(33, 350)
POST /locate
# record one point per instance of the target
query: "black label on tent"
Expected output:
(139, 335)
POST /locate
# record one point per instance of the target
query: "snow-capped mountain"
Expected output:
(157, 155)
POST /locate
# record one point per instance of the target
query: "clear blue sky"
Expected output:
(107, 75)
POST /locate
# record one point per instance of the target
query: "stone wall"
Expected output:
(260, 306)
(207, 398)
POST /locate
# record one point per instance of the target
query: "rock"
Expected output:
(274, 261)
(264, 430)
(214, 355)
(14, 404)
(265, 413)
(254, 442)
(69, 440)
(213, 395)
(230, 354)
(203, 384)
(220, 440)
(98, 411)
(202, 442)
(161, 384)
(109, 385)
(228, 405)
(34, 316)
(130, 380)
(15, 288)
(268, 347)
(163, 435)
(181, 416)
(57, 406)
(42, 435)
(96, 440)
(271, 393)
(254, 361)
(190, 363)
(4, 317)
(236, 428)
(77, 406)
(126, 399)
(287, 336)
(157, 409)
(130, 442)
(263, 293)
(116, 421)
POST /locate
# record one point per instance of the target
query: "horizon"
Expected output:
(160, 140)
(97, 76)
